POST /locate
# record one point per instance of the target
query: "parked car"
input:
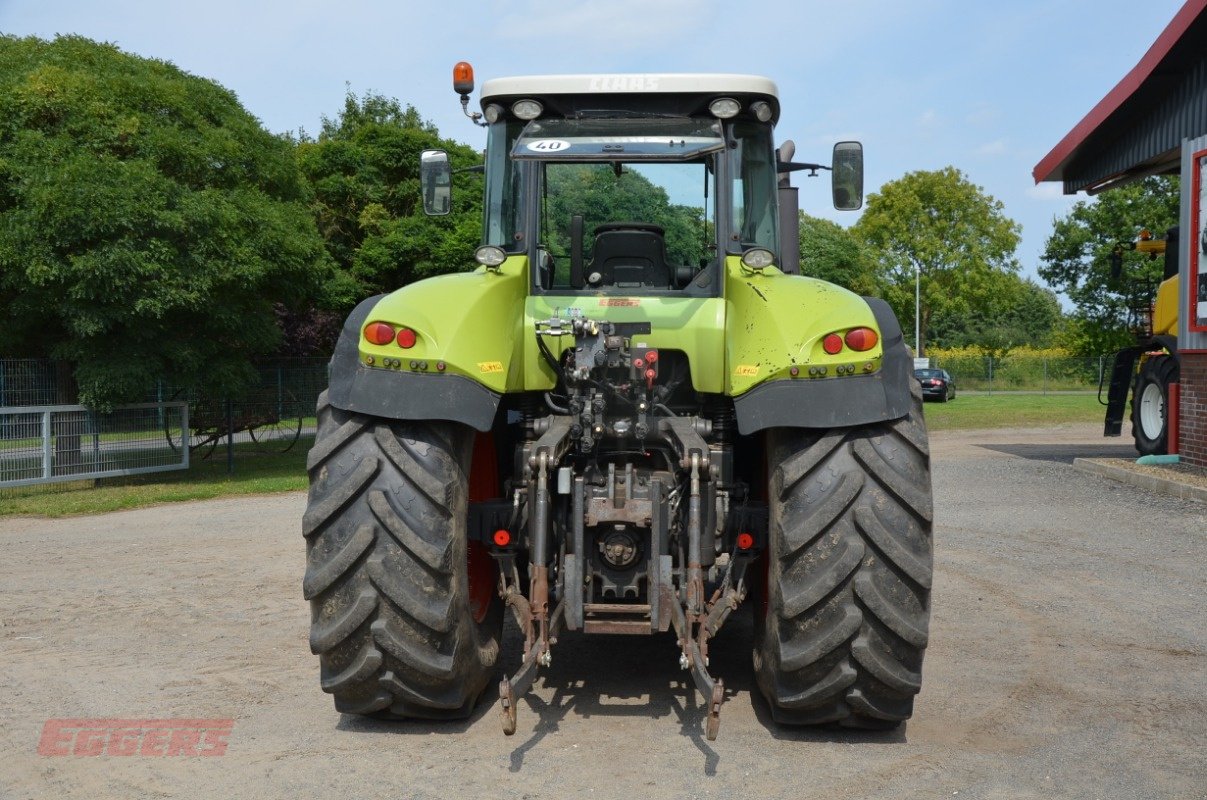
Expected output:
(936, 384)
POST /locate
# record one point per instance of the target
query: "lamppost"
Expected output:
(917, 310)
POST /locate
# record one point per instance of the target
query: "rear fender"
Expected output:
(776, 324)
(466, 353)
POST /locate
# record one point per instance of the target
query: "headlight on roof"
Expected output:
(724, 107)
(527, 109)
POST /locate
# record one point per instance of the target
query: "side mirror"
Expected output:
(846, 176)
(436, 180)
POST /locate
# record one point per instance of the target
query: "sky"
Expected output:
(988, 87)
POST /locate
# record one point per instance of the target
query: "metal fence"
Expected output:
(30, 382)
(175, 429)
(55, 444)
(1024, 373)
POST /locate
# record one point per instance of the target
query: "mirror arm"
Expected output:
(792, 166)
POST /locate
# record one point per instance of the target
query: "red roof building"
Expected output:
(1154, 122)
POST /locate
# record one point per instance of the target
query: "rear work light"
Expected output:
(379, 333)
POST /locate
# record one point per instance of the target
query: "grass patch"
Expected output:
(263, 474)
(254, 474)
(970, 411)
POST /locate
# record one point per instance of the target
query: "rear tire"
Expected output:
(386, 568)
(1150, 405)
(849, 573)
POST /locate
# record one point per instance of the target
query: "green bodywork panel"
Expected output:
(480, 325)
(777, 321)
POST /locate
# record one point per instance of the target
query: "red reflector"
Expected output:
(745, 541)
(651, 357)
(406, 338)
(862, 339)
(379, 333)
(502, 538)
(832, 344)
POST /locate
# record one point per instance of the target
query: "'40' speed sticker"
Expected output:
(549, 145)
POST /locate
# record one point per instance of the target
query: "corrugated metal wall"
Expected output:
(1154, 126)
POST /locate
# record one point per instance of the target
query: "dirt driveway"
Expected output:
(1068, 658)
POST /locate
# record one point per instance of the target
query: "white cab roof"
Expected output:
(646, 83)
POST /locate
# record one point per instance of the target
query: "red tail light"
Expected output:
(406, 338)
(745, 541)
(502, 537)
(861, 339)
(379, 333)
(832, 344)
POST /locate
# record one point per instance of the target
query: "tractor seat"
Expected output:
(629, 255)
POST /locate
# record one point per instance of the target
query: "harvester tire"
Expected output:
(846, 606)
(1150, 404)
(398, 628)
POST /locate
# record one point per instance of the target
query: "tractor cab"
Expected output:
(635, 184)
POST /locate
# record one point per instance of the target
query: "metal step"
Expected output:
(1121, 382)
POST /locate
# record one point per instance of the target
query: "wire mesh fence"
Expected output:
(55, 444)
(30, 382)
(177, 428)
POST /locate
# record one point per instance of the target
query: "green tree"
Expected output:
(832, 253)
(364, 171)
(946, 229)
(148, 224)
(1020, 312)
(1076, 259)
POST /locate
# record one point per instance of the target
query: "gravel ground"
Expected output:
(1068, 658)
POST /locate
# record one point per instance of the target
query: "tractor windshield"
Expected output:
(635, 204)
(627, 205)
(644, 225)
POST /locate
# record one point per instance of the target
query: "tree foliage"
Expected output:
(832, 253)
(951, 232)
(148, 224)
(1076, 259)
(1019, 312)
(364, 171)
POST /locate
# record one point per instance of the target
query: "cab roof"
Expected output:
(670, 93)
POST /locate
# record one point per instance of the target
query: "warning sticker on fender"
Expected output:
(490, 366)
(747, 371)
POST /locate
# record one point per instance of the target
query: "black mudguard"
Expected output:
(836, 402)
(357, 387)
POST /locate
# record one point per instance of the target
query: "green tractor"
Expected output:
(631, 418)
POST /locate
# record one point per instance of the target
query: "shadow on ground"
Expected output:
(1065, 453)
